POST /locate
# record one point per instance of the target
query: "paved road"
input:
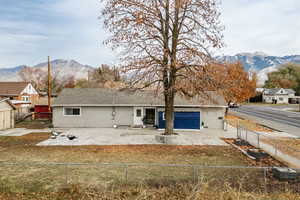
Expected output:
(273, 117)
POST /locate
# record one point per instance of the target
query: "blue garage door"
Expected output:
(182, 120)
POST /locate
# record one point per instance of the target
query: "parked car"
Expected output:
(233, 105)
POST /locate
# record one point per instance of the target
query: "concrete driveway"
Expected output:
(110, 136)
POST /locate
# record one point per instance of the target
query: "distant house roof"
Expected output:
(107, 97)
(12, 88)
(8, 102)
(260, 89)
(275, 91)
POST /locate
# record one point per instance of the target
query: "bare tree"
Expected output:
(164, 43)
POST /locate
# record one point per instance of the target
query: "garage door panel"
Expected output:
(182, 120)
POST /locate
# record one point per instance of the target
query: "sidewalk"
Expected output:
(22, 131)
(268, 123)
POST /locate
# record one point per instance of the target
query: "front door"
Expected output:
(138, 116)
(150, 116)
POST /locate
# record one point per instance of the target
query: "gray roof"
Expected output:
(108, 97)
(274, 91)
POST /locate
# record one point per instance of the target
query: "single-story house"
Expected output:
(7, 117)
(22, 94)
(95, 107)
(278, 95)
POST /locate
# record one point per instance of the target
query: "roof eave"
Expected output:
(136, 105)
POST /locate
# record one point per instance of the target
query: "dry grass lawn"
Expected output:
(23, 149)
(137, 182)
(290, 146)
(250, 125)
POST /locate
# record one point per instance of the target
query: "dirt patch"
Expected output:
(25, 140)
(250, 125)
(35, 124)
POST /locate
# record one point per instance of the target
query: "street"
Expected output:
(272, 116)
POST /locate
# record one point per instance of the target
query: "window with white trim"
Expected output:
(69, 111)
(138, 112)
(26, 98)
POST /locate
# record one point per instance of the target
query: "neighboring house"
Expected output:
(277, 95)
(7, 117)
(107, 108)
(21, 94)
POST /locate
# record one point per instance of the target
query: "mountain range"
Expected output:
(257, 62)
(261, 63)
(61, 68)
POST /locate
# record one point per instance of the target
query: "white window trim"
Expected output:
(137, 113)
(64, 112)
(27, 97)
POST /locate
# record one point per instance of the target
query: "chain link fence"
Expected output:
(278, 147)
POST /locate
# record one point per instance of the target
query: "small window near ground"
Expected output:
(72, 111)
(138, 112)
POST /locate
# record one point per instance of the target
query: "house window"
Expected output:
(25, 98)
(280, 99)
(72, 111)
(138, 112)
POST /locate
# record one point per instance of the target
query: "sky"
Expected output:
(30, 30)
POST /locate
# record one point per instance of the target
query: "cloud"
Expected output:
(261, 25)
(70, 29)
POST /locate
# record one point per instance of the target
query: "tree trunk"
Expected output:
(169, 112)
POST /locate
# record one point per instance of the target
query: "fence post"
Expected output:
(265, 179)
(195, 175)
(276, 147)
(66, 174)
(126, 173)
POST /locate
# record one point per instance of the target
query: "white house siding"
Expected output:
(6, 116)
(102, 117)
(280, 99)
(29, 90)
(124, 116)
(93, 117)
(213, 118)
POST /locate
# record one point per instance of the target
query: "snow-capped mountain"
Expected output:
(261, 63)
(258, 62)
(61, 68)
(9, 74)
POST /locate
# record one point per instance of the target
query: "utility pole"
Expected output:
(49, 85)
